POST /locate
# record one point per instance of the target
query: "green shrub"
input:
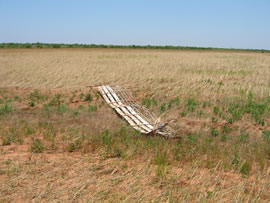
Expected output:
(191, 104)
(243, 137)
(162, 107)
(37, 146)
(214, 132)
(76, 144)
(81, 96)
(55, 100)
(235, 160)
(236, 111)
(28, 130)
(88, 97)
(226, 129)
(31, 103)
(46, 108)
(214, 119)
(266, 135)
(223, 138)
(146, 102)
(175, 101)
(5, 108)
(256, 110)
(6, 140)
(35, 96)
(75, 113)
(10, 138)
(72, 97)
(216, 110)
(161, 160)
(177, 153)
(62, 108)
(245, 168)
(106, 139)
(81, 107)
(92, 108)
(182, 114)
(205, 104)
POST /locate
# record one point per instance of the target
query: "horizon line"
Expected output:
(92, 45)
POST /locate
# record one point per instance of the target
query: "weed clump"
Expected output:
(5, 109)
(256, 110)
(55, 100)
(31, 103)
(162, 107)
(146, 102)
(106, 139)
(175, 101)
(37, 146)
(161, 161)
(214, 132)
(245, 168)
(74, 145)
(7, 140)
(191, 104)
(88, 97)
(92, 108)
(62, 108)
(266, 135)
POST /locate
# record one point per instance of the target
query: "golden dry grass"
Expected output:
(89, 154)
(197, 72)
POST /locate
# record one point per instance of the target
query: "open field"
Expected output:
(60, 141)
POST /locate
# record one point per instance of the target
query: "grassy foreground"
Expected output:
(61, 142)
(73, 142)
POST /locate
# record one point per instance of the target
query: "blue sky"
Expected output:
(207, 23)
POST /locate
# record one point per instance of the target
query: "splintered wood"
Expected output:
(139, 117)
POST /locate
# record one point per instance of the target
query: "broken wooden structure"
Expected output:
(139, 117)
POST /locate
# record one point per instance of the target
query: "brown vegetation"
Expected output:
(60, 141)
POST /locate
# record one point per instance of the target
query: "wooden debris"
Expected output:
(139, 117)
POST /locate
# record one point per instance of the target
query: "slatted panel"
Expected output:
(149, 126)
(126, 111)
(137, 116)
(130, 112)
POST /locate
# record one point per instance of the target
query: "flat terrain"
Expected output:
(61, 142)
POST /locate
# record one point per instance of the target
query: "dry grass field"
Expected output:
(61, 142)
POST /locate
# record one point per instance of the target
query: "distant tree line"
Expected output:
(56, 45)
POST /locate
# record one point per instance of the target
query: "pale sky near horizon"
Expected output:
(206, 23)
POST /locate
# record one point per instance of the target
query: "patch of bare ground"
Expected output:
(76, 176)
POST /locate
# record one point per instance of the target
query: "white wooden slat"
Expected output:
(125, 116)
(108, 90)
(139, 129)
(139, 117)
(130, 109)
(118, 110)
(108, 95)
(130, 121)
(114, 95)
(105, 97)
(128, 114)
(145, 122)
